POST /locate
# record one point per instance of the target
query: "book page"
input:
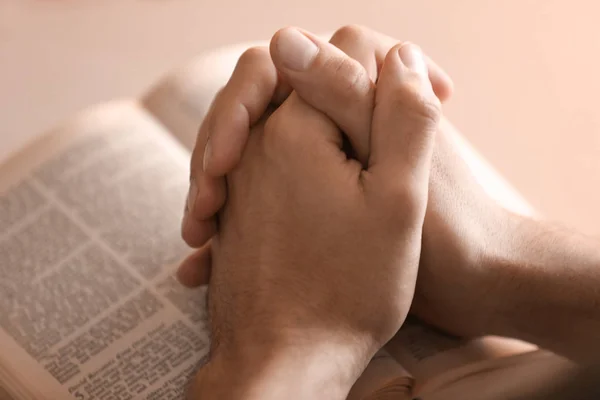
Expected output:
(89, 228)
(435, 359)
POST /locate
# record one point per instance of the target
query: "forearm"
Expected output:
(548, 288)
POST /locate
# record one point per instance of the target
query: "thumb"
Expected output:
(405, 118)
(328, 80)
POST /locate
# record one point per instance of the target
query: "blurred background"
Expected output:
(525, 70)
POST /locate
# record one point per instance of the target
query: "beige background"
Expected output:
(525, 70)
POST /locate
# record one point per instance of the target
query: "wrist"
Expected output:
(529, 266)
(280, 369)
(499, 256)
(546, 288)
(489, 259)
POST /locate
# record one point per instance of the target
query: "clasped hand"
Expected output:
(315, 260)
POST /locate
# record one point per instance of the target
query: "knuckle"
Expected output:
(414, 97)
(351, 78)
(350, 33)
(253, 55)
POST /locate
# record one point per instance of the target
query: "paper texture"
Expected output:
(87, 238)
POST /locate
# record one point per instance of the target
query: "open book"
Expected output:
(89, 236)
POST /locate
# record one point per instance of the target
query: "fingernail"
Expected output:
(412, 56)
(296, 50)
(192, 195)
(207, 154)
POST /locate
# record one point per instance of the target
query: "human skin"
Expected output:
(483, 270)
(276, 319)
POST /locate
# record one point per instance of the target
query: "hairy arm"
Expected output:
(548, 287)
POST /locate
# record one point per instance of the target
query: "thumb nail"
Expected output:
(296, 51)
(412, 56)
